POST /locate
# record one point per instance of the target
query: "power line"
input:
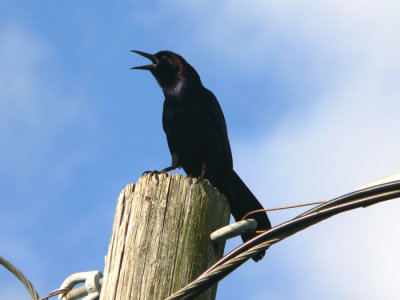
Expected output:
(241, 254)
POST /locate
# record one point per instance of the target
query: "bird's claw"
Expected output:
(202, 179)
(154, 172)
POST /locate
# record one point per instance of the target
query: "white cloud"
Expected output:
(337, 147)
(348, 137)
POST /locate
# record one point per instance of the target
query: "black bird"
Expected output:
(197, 136)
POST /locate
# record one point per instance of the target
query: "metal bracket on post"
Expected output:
(233, 230)
(92, 287)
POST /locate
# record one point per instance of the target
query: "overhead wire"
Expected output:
(263, 241)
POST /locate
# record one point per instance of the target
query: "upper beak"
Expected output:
(149, 56)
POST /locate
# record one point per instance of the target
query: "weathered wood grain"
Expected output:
(161, 237)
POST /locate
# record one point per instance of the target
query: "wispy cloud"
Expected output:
(346, 138)
(37, 112)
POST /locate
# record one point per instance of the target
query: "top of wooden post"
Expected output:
(161, 237)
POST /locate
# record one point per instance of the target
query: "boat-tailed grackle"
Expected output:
(197, 136)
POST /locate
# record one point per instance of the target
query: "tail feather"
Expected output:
(242, 201)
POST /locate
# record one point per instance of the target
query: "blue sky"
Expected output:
(310, 92)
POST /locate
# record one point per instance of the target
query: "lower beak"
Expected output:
(145, 67)
(149, 56)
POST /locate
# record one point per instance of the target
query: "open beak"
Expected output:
(149, 56)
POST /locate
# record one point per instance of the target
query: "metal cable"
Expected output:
(63, 291)
(241, 254)
(281, 208)
(17, 273)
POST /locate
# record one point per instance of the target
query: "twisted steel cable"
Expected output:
(241, 254)
(17, 273)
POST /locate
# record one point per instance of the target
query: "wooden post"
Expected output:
(161, 237)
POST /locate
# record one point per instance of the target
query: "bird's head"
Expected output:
(168, 68)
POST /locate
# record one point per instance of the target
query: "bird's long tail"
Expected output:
(241, 201)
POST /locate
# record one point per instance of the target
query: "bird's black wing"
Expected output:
(217, 119)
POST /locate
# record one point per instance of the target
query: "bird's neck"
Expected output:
(181, 88)
(175, 90)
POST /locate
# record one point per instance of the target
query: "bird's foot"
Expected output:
(167, 169)
(163, 171)
(154, 172)
(202, 176)
(202, 179)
